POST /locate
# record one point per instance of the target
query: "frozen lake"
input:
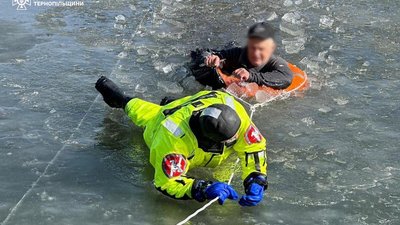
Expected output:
(67, 158)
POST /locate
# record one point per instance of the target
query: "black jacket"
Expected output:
(275, 73)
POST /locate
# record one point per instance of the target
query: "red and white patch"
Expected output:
(253, 135)
(174, 165)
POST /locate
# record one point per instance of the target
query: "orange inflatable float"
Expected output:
(249, 90)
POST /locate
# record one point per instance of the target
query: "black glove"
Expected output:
(112, 95)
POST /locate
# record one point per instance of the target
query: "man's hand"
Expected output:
(241, 73)
(212, 61)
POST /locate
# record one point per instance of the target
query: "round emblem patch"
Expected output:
(174, 165)
(253, 135)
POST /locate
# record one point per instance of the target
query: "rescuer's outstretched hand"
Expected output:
(254, 191)
(216, 189)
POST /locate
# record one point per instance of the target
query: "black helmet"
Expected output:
(219, 122)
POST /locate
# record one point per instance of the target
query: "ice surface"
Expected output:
(339, 157)
(190, 83)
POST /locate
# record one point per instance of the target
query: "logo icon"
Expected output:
(174, 165)
(253, 135)
(21, 4)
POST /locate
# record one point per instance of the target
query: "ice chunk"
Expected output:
(251, 87)
(122, 55)
(325, 21)
(308, 121)
(271, 16)
(170, 87)
(334, 47)
(119, 26)
(341, 101)
(100, 16)
(167, 69)
(140, 88)
(298, 2)
(142, 51)
(120, 22)
(293, 24)
(339, 30)
(292, 17)
(262, 96)
(120, 19)
(325, 109)
(330, 60)
(294, 45)
(287, 3)
(312, 65)
(322, 56)
(235, 90)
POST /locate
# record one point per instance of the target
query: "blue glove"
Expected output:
(254, 190)
(203, 190)
(221, 190)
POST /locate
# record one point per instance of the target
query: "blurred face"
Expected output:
(259, 50)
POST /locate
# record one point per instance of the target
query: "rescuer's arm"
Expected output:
(279, 77)
(170, 179)
(254, 167)
(252, 153)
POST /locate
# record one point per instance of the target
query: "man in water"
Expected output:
(196, 131)
(255, 62)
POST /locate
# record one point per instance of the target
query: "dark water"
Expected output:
(66, 158)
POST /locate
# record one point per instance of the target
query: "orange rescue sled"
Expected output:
(249, 90)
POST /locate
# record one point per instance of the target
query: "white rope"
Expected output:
(51, 162)
(208, 204)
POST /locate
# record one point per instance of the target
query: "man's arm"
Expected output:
(231, 56)
(280, 76)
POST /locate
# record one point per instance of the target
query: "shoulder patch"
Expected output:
(174, 165)
(253, 135)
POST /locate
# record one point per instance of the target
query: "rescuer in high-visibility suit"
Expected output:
(201, 130)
